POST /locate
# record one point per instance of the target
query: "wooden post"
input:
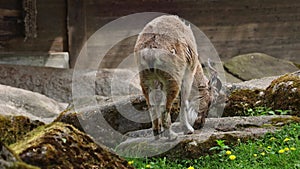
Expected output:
(76, 28)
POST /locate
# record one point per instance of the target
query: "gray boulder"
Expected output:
(14, 101)
(258, 65)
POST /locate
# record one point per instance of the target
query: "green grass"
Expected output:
(277, 150)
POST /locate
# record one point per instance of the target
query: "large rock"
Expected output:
(261, 83)
(108, 119)
(142, 144)
(62, 146)
(14, 101)
(231, 79)
(57, 83)
(258, 65)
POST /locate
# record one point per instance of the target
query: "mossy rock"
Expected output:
(241, 100)
(60, 145)
(284, 94)
(9, 160)
(13, 128)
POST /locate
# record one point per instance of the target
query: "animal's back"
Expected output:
(172, 27)
(167, 44)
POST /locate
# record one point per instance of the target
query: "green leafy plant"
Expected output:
(221, 146)
(260, 111)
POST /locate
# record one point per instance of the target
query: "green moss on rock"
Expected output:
(241, 100)
(60, 145)
(9, 160)
(279, 121)
(13, 128)
(284, 94)
(22, 165)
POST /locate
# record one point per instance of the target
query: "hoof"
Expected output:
(156, 134)
(198, 126)
(170, 134)
(188, 129)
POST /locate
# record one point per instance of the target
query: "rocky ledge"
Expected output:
(231, 129)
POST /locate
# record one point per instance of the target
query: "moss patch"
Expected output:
(241, 100)
(284, 121)
(13, 128)
(22, 165)
(284, 94)
(60, 145)
(9, 160)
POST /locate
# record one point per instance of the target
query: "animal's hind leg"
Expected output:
(185, 93)
(166, 116)
(154, 115)
(156, 123)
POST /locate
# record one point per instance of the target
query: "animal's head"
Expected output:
(215, 84)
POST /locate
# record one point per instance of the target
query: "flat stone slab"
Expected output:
(142, 143)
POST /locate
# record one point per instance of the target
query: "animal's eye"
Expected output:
(173, 51)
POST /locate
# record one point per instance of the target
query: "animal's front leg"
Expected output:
(185, 93)
(168, 132)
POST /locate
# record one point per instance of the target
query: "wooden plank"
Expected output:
(9, 13)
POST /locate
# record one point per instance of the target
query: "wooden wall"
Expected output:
(234, 26)
(11, 23)
(51, 27)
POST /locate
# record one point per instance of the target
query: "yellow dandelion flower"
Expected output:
(232, 157)
(281, 151)
(191, 167)
(293, 148)
(263, 153)
(286, 149)
(148, 166)
(272, 139)
(255, 155)
(130, 162)
(286, 139)
(228, 152)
